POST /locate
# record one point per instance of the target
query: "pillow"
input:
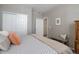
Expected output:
(63, 37)
(4, 43)
(4, 33)
(14, 38)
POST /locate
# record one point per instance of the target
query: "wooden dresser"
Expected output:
(77, 36)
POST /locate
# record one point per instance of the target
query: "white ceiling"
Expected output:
(41, 7)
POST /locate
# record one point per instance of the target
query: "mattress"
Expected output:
(30, 45)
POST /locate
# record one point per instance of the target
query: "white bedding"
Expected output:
(57, 46)
(30, 45)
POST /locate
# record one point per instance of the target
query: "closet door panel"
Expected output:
(9, 22)
(15, 23)
(21, 24)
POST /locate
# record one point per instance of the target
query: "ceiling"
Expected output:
(41, 7)
(36, 7)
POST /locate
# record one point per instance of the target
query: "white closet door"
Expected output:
(15, 23)
(9, 22)
(21, 24)
(39, 26)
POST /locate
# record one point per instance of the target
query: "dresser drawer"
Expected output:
(77, 51)
(77, 46)
(78, 28)
(77, 23)
(77, 36)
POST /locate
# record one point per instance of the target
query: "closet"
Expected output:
(14, 22)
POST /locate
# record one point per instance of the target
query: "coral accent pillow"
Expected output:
(14, 38)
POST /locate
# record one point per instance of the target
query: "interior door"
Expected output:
(39, 26)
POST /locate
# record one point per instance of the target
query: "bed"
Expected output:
(37, 44)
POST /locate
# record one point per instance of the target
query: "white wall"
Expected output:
(68, 14)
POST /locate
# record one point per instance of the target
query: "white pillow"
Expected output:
(63, 36)
(4, 43)
(4, 33)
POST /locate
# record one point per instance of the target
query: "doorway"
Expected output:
(46, 27)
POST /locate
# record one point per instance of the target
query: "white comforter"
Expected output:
(30, 45)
